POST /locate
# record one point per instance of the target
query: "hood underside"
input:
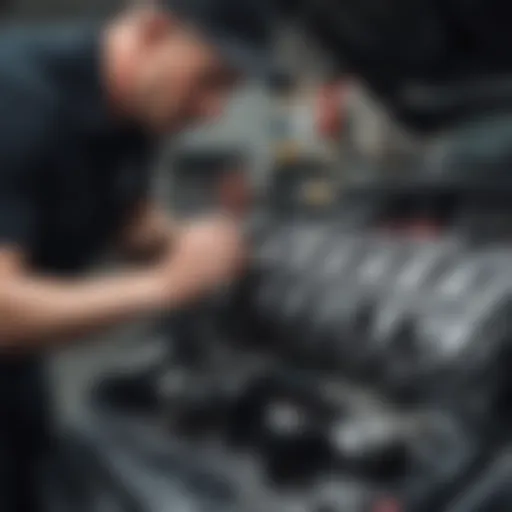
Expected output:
(433, 63)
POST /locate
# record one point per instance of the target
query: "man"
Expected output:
(80, 108)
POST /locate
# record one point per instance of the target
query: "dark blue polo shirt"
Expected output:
(69, 176)
(70, 173)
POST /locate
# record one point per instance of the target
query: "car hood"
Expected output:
(432, 63)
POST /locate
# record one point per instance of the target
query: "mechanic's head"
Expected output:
(171, 70)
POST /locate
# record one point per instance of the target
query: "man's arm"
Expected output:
(36, 311)
(59, 308)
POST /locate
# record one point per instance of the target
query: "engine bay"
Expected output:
(361, 365)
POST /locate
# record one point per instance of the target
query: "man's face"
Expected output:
(181, 79)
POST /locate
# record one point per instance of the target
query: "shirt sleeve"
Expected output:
(19, 154)
(16, 218)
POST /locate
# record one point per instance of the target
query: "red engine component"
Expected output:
(413, 228)
(234, 193)
(387, 505)
(331, 109)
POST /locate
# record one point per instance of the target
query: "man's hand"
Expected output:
(189, 260)
(207, 255)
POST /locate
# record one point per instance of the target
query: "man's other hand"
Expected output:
(208, 254)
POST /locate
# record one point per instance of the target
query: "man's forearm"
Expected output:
(37, 311)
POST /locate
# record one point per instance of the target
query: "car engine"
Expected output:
(361, 365)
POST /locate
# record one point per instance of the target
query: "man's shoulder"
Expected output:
(28, 101)
(23, 66)
(41, 64)
(31, 86)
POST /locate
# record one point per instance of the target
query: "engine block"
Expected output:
(348, 372)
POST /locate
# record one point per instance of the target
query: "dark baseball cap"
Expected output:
(241, 30)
